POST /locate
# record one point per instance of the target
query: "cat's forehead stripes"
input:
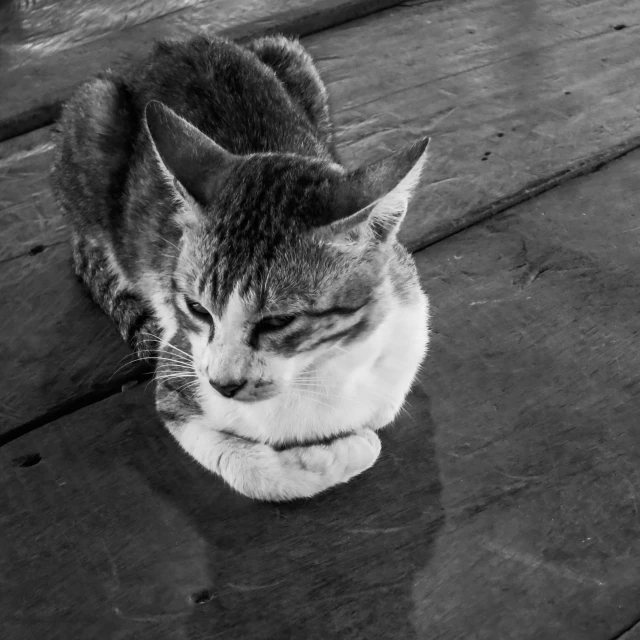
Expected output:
(262, 207)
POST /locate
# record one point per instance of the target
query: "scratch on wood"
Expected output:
(440, 117)
(447, 180)
(159, 617)
(21, 155)
(531, 561)
(253, 587)
(374, 531)
(494, 300)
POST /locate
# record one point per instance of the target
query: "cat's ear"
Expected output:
(191, 157)
(381, 193)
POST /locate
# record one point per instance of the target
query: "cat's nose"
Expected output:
(228, 388)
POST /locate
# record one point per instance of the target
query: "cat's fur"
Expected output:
(207, 207)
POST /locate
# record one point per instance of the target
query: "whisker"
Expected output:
(175, 246)
(172, 357)
(180, 351)
(167, 343)
(365, 387)
(126, 364)
(139, 359)
(176, 376)
(177, 365)
(314, 400)
(180, 372)
(186, 386)
(335, 395)
(174, 363)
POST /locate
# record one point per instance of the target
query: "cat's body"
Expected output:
(212, 221)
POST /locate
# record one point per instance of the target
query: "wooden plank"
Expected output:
(39, 372)
(34, 29)
(29, 219)
(31, 94)
(535, 394)
(467, 187)
(467, 90)
(503, 506)
(631, 634)
(512, 94)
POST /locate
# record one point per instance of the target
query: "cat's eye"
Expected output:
(198, 310)
(271, 323)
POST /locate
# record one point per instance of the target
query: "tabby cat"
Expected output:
(212, 220)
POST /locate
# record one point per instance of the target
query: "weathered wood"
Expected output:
(467, 187)
(631, 634)
(36, 28)
(539, 384)
(29, 219)
(512, 93)
(476, 93)
(31, 94)
(38, 370)
(504, 504)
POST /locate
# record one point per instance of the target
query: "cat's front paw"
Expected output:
(315, 468)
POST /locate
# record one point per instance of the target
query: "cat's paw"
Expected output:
(312, 469)
(258, 471)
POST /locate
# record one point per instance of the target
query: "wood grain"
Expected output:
(504, 505)
(500, 90)
(31, 94)
(38, 369)
(511, 93)
(465, 121)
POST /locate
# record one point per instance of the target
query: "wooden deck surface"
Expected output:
(506, 503)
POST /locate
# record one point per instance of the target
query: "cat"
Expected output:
(212, 220)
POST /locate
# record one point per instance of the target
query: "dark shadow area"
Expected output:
(10, 23)
(339, 566)
(10, 30)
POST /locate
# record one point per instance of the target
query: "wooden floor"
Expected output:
(506, 502)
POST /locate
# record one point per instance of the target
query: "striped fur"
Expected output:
(212, 221)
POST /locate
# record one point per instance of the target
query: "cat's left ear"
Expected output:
(382, 192)
(195, 160)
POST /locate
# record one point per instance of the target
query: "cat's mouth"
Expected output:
(255, 393)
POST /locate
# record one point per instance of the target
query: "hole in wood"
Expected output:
(28, 460)
(619, 27)
(500, 134)
(39, 248)
(200, 597)
(567, 93)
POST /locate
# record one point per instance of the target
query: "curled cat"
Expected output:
(213, 222)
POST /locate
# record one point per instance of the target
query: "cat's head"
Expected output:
(285, 263)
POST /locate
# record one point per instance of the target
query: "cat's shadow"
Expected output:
(338, 566)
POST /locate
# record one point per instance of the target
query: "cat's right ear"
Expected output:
(187, 154)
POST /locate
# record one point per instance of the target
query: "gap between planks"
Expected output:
(575, 170)
(448, 228)
(632, 632)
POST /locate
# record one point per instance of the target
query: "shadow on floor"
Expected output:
(342, 565)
